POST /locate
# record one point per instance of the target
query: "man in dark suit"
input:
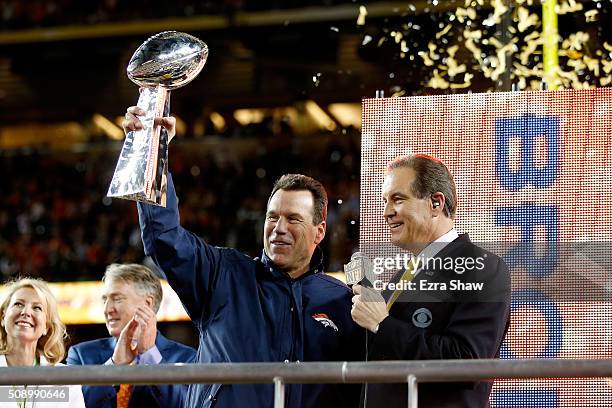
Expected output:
(132, 296)
(451, 301)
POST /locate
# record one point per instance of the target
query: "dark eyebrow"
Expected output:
(398, 195)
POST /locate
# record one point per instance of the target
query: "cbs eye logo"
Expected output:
(421, 318)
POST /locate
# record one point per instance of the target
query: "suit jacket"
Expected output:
(436, 320)
(75, 396)
(99, 351)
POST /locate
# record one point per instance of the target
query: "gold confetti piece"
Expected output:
(607, 66)
(470, 44)
(524, 71)
(443, 32)
(569, 79)
(461, 13)
(607, 46)
(532, 42)
(437, 82)
(500, 60)
(575, 41)
(534, 84)
(526, 20)
(499, 9)
(592, 64)
(572, 54)
(363, 12)
(476, 34)
(454, 68)
(467, 82)
(591, 15)
(568, 7)
(426, 60)
(576, 64)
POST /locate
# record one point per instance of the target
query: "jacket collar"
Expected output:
(316, 264)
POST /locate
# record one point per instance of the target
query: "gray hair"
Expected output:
(142, 278)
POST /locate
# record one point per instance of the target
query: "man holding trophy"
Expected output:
(279, 307)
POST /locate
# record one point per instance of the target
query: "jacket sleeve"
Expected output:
(474, 330)
(191, 266)
(94, 396)
(170, 395)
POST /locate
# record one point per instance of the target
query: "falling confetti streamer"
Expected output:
(363, 12)
(490, 44)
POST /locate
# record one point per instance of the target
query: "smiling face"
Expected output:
(290, 237)
(120, 302)
(410, 219)
(25, 319)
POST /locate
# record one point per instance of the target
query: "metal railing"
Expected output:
(411, 372)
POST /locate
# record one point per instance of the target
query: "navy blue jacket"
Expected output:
(246, 310)
(150, 396)
(437, 324)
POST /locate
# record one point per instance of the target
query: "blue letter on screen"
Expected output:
(527, 128)
(527, 217)
(525, 399)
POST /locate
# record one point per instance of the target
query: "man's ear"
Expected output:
(320, 232)
(438, 202)
(149, 301)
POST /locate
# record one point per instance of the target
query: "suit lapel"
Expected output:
(107, 347)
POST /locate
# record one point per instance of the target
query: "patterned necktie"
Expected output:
(406, 277)
(124, 394)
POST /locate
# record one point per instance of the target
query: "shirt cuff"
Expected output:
(151, 356)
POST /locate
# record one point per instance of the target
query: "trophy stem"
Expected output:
(142, 169)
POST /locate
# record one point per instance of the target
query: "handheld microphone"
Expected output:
(359, 270)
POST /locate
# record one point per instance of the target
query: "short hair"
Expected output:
(297, 182)
(51, 345)
(431, 176)
(143, 279)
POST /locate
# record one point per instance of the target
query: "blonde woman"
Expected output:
(31, 334)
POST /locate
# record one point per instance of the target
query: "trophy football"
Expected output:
(165, 61)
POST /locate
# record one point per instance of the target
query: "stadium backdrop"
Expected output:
(534, 178)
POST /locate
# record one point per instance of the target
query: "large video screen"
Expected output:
(534, 184)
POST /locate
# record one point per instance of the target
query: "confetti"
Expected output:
(489, 39)
(568, 7)
(363, 12)
(526, 20)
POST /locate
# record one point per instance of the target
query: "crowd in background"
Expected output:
(56, 222)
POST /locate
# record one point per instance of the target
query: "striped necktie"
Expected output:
(406, 277)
